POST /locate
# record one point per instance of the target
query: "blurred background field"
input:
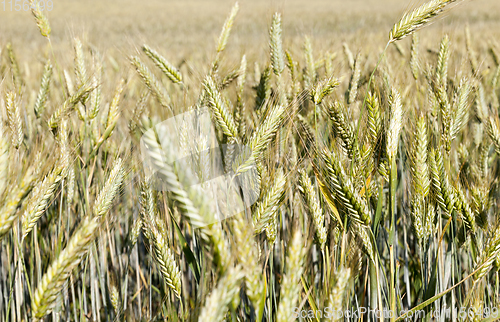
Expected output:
(188, 29)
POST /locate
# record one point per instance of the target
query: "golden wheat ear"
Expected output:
(417, 18)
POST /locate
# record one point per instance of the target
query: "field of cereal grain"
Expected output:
(266, 160)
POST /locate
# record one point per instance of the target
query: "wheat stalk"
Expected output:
(4, 161)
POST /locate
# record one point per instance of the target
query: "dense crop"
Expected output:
(379, 189)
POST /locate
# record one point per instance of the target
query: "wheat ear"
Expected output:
(417, 18)
(323, 89)
(110, 189)
(8, 213)
(277, 55)
(191, 200)
(489, 255)
(260, 139)
(470, 50)
(59, 270)
(42, 194)
(224, 35)
(494, 132)
(95, 96)
(312, 203)
(14, 118)
(442, 190)
(414, 57)
(68, 106)
(343, 129)
(14, 66)
(151, 82)
(165, 259)
(53, 280)
(43, 93)
(80, 70)
(247, 254)
(167, 68)
(267, 208)
(227, 288)
(223, 118)
(339, 186)
(336, 296)
(395, 124)
(353, 84)
(310, 69)
(41, 20)
(420, 177)
(348, 55)
(291, 288)
(263, 89)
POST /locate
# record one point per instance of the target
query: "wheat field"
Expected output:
(252, 161)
